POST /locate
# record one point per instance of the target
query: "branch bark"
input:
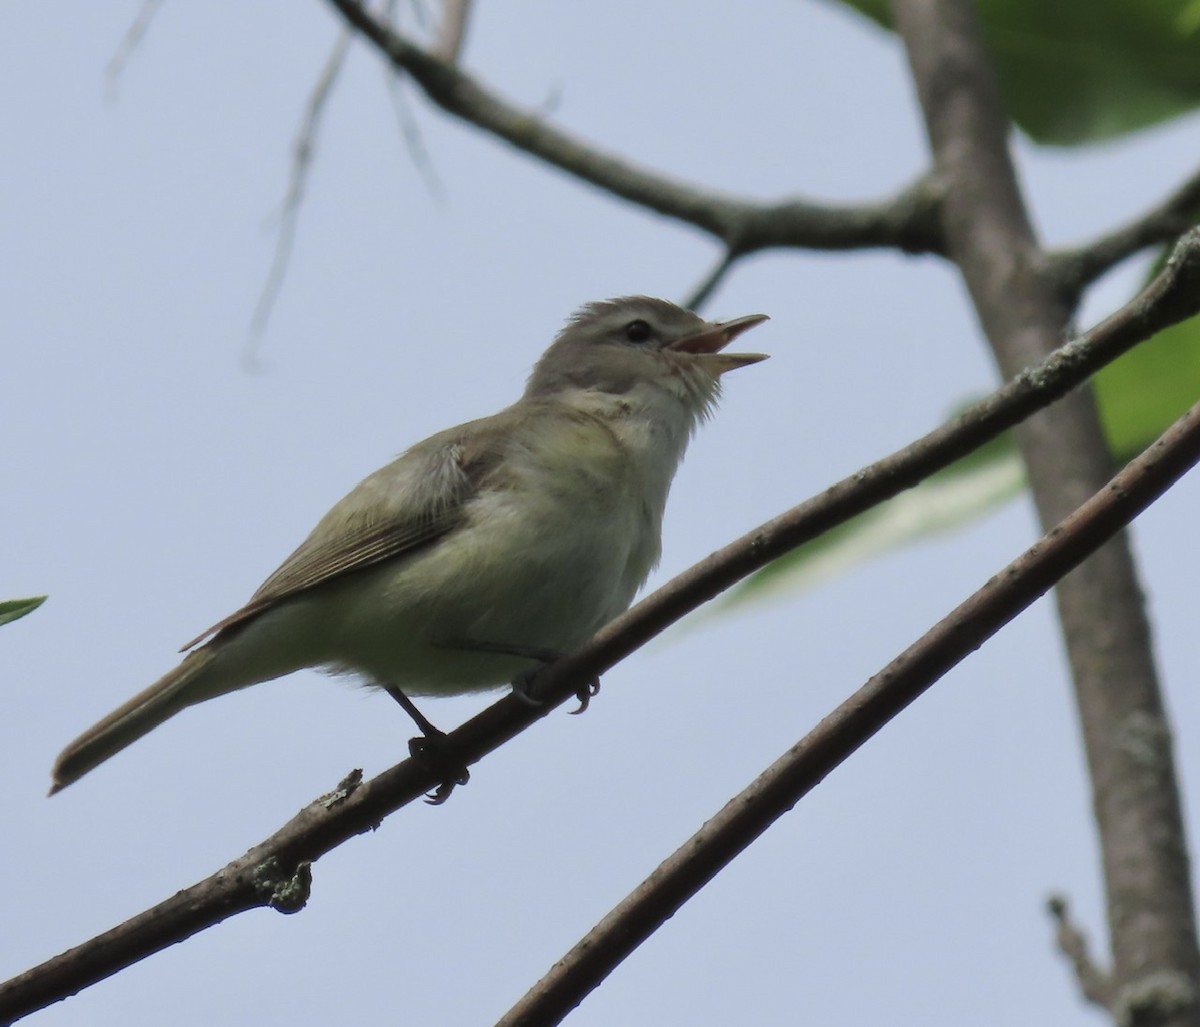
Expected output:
(907, 222)
(276, 872)
(452, 30)
(910, 221)
(1166, 220)
(1023, 311)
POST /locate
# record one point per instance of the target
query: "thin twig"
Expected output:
(302, 156)
(452, 30)
(1094, 983)
(908, 222)
(708, 285)
(410, 132)
(275, 872)
(129, 43)
(1077, 268)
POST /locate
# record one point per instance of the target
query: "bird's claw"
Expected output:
(585, 695)
(522, 683)
(429, 750)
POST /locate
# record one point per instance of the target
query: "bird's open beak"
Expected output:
(707, 346)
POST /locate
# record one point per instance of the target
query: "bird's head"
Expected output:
(616, 346)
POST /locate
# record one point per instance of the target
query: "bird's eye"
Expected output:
(638, 331)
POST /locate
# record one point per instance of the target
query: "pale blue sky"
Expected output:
(152, 482)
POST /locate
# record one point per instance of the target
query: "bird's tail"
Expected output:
(126, 724)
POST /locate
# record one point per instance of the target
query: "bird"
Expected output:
(483, 550)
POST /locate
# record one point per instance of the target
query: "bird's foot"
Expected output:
(430, 751)
(585, 695)
(522, 684)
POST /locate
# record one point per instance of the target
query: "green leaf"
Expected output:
(1081, 71)
(13, 609)
(949, 500)
(1148, 388)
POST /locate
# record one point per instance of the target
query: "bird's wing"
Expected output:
(402, 507)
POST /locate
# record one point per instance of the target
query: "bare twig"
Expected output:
(452, 30)
(1165, 221)
(302, 156)
(707, 286)
(410, 132)
(1094, 983)
(275, 871)
(908, 222)
(749, 814)
(129, 43)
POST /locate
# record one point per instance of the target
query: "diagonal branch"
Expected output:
(907, 222)
(129, 43)
(1077, 268)
(702, 292)
(452, 30)
(275, 872)
(798, 771)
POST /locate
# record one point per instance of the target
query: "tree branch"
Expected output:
(1077, 268)
(274, 873)
(907, 222)
(798, 771)
(452, 30)
(1024, 310)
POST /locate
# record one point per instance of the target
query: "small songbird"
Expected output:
(464, 561)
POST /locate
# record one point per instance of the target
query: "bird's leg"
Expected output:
(521, 683)
(423, 723)
(429, 750)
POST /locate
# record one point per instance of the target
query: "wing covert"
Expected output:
(404, 506)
